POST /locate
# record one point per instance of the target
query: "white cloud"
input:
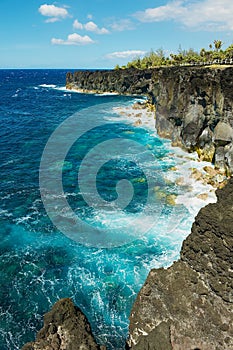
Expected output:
(121, 25)
(77, 25)
(92, 27)
(73, 39)
(56, 13)
(216, 15)
(170, 11)
(125, 54)
(52, 20)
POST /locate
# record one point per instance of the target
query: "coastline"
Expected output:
(167, 328)
(142, 113)
(191, 172)
(193, 105)
(199, 178)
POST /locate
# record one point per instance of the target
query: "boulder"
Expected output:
(223, 134)
(65, 328)
(207, 152)
(206, 137)
(138, 122)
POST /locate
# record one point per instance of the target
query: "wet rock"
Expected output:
(197, 174)
(203, 196)
(210, 171)
(171, 199)
(205, 146)
(138, 122)
(65, 328)
(180, 181)
(207, 152)
(139, 105)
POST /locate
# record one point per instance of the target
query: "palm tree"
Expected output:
(218, 44)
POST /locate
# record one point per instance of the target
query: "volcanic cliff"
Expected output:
(194, 105)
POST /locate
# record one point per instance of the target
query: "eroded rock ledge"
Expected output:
(194, 106)
(190, 305)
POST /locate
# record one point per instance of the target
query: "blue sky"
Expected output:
(103, 33)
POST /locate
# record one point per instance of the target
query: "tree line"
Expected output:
(214, 55)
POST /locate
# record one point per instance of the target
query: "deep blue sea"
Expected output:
(102, 259)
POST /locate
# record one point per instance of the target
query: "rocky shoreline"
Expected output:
(188, 306)
(142, 114)
(193, 105)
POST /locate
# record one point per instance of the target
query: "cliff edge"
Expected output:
(189, 306)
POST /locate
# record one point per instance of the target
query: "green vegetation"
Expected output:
(158, 58)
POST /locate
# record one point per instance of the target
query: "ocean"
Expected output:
(87, 205)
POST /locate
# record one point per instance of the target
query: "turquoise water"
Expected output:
(39, 263)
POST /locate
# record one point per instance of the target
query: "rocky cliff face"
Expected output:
(65, 328)
(189, 306)
(130, 81)
(195, 110)
(193, 105)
